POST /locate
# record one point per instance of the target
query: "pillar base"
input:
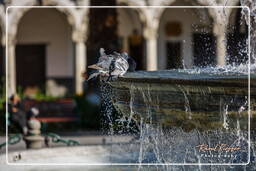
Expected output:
(34, 142)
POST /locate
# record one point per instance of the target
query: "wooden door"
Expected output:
(30, 65)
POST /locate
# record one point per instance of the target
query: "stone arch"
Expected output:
(218, 14)
(140, 11)
(127, 5)
(131, 23)
(15, 14)
(159, 12)
(199, 26)
(44, 37)
(233, 20)
(235, 15)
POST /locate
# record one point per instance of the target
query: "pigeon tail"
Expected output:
(132, 65)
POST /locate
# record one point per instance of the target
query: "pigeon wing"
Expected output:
(93, 75)
(121, 66)
(117, 54)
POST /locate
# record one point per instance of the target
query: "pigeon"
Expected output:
(115, 64)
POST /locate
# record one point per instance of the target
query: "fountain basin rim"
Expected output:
(186, 78)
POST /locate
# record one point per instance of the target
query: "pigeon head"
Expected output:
(125, 55)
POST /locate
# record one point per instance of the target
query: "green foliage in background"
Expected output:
(89, 113)
(40, 95)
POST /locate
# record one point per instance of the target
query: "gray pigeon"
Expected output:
(110, 65)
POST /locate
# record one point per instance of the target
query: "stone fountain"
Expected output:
(184, 99)
(175, 110)
(191, 106)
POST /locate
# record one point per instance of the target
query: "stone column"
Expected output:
(11, 66)
(150, 35)
(221, 49)
(80, 60)
(221, 42)
(126, 44)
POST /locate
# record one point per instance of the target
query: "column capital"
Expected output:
(150, 32)
(12, 39)
(79, 36)
(219, 28)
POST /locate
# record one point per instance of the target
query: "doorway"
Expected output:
(204, 49)
(173, 51)
(31, 65)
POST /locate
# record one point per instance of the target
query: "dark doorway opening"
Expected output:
(236, 49)
(30, 66)
(204, 49)
(237, 41)
(173, 51)
(136, 49)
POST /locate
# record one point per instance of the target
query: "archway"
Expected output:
(185, 37)
(44, 51)
(130, 33)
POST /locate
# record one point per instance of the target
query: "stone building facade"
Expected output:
(57, 30)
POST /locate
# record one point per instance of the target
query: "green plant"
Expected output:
(40, 95)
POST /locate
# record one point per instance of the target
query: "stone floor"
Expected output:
(87, 138)
(92, 143)
(92, 140)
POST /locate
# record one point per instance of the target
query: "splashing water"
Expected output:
(186, 104)
(154, 143)
(252, 5)
(225, 120)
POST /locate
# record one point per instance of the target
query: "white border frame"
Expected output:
(133, 164)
